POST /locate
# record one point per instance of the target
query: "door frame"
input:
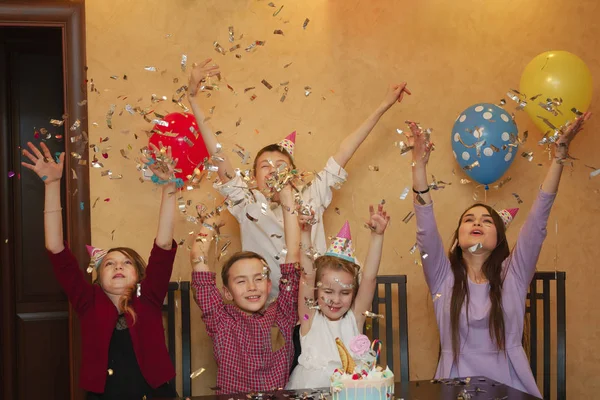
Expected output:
(70, 16)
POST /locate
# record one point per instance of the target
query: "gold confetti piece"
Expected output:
(231, 34)
(238, 56)
(408, 217)
(287, 65)
(57, 122)
(251, 218)
(267, 84)
(75, 125)
(502, 182)
(278, 11)
(109, 115)
(75, 138)
(96, 163)
(306, 21)
(197, 373)
(527, 155)
(234, 48)
(307, 91)
(150, 68)
(249, 88)
(374, 168)
(475, 247)
(370, 314)
(471, 166)
(218, 48)
(437, 296)
(82, 103)
(404, 193)
(238, 122)
(74, 174)
(516, 196)
(464, 181)
(278, 32)
(284, 95)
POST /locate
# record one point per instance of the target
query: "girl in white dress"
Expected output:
(341, 302)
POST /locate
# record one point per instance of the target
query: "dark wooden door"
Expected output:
(35, 312)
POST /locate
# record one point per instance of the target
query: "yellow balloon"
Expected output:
(556, 74)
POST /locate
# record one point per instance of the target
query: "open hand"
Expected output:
(562, 144)
(199, 73)
(379, 220)
(164, 165)
(417, 141)
(43, 164)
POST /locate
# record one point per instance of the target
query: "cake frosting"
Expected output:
(360, 378)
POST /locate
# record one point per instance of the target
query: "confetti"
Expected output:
(436, 296)
(284, 95)
(75, 125)
(471, 166)
(238, 122)
(527, 155)
(408, 217)
(307, 91)
(82, 103)
(183, 62)
(197, 373)
(249, 88)
(267, 84)
(150, 68)
(251, 218)
(109, 115)
(464, 181)
(306, 21)
(370, 314)
(516, 196)
(413, 249)
(234, 48)
(374, 168)
(218, 48)
(278, 32)
(11, 174)
(404, 193)
(475, 247)
(344, 285)
(278, 11)
(57, 122)
(594, 173)
(231, 34)
(287, 65)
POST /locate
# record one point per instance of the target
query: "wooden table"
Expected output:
(478, 388)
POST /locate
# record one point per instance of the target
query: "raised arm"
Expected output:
(531, 237)
(378, 222)
(353, 141)
(436, 265)
(198, 76)
(291, 228)
(66, 268)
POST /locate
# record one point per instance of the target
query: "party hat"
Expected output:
(288, 143)
(96, 255)
(507, 215)
(341, 246)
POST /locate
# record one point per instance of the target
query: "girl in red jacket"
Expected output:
(124, 355)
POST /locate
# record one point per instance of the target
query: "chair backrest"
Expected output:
(402, 316)
(532, 310)
(170, 308)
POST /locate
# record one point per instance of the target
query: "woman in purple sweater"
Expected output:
(479, 288)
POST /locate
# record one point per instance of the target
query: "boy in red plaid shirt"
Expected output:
(252, 342)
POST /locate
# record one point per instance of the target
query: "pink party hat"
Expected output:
(507, 215)
(96, 255)
(341, 246)
(288, 143)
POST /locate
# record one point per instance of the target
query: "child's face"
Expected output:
(335, 293)
(117, 273)
(477, 226)
(264, 168)
(248, 285)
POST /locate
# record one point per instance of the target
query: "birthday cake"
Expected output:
(360, 378)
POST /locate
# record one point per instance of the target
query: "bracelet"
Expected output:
(423, 192)
(51, 211)
(150, 161)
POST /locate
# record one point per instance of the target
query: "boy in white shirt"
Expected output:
(262, 226)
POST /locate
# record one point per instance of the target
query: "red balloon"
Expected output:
(181, 132)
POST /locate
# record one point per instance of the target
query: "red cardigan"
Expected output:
(98, 317)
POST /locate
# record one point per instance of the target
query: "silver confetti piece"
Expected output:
(475, 247)
(370, 314)
(151, 69)
(183, 62)
(471, 166)
(218, 48)
(231, 34)
(404, 193)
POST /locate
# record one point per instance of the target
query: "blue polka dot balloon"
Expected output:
(484, 142)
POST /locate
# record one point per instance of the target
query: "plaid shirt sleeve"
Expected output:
(209, 300)
(287, 302)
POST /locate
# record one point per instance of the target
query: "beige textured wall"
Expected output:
(453, 54)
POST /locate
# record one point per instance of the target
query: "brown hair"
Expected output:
(492, 270)
(241, 255)
(140, 267)
(336, 264)
(269, 148)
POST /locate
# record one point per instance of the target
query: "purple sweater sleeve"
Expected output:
(523, 260)
(436, 265)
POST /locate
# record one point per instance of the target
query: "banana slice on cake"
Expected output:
(348, 364)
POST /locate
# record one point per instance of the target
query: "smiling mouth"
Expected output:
(476, 232)
(334, 309)
(253, 298)
(118, 276)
